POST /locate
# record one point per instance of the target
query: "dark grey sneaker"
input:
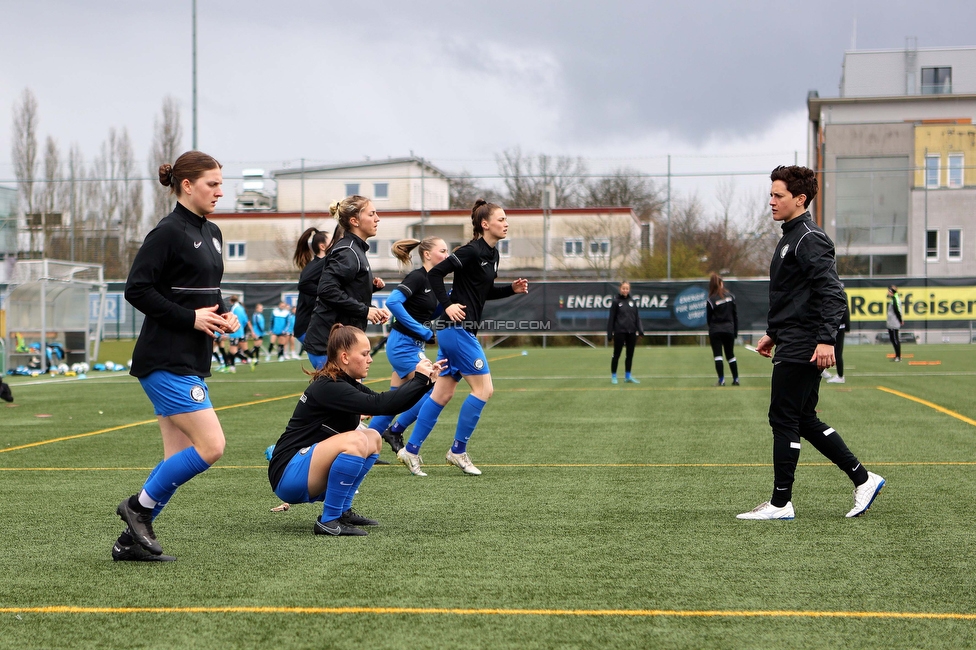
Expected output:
(352, 518)
(140, 525)
(336, 528)
(395, 439)
(136, 553)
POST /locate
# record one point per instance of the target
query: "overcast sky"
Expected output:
(720, 85)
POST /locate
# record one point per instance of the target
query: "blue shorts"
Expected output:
(174, 394)
(318, 361)
(404, 352)
(293, 486)
(463, 353)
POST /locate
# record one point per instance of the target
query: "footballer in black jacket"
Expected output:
(323, 455)
(175, 282)
(806, 304)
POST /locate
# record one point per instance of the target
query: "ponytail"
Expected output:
(308, 246)
(341, 339)
(342, 211)
(402, 249)
(481, 211)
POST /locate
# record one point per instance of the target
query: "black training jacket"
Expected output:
(420, 303)
(308, 286)
(806, 299)
(624, 317)
(330, 406)
(176, 271)
(475, 267)
(344, 294)
(722, 315)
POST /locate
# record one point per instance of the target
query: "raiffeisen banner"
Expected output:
(918, 303)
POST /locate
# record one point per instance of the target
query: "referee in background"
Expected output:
(806, 304)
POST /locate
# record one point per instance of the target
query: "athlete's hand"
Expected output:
(823, 356)
(765, 346)
(455, 312)
(378, 283)
(207, 320)
(520, 286)
(432, 370)
(231, 322)
(377, 316)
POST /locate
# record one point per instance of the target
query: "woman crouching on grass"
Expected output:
(322, 456)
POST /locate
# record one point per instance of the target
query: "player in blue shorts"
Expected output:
(258, 330)
(236, 340)
(413, 306)
(346, 284)
(475, 267)
(175, 282)
(323, 455)
(279, 323)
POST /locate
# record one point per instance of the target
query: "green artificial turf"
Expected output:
(605, 516)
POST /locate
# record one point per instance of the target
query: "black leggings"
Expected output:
(839, 352)
(895, 341)
(618, 343)
(719, 342)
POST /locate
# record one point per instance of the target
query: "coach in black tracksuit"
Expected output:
(806, 305)
(623, 326)
(723, 326)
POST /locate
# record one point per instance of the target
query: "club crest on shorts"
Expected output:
(216, 244)
(784, 250)
(479, 364)
(197, 394)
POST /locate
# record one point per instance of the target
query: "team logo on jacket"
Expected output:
(303, 450)
(479, 364)
(197, 394)
(784, 250)
(197, 244)
(216, 244)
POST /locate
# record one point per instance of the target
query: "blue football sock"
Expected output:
(467, 421)
(426, 420)
(409, 416)
(159, 504)
(174, 472)
(368, 463)
(342, 484)
(381, 422)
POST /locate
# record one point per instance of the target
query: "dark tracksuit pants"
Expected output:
(619, 340)
(794, 394)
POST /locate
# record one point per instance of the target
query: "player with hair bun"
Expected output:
(175, 282)
(346, 285)
(475, 267)
(323, 455)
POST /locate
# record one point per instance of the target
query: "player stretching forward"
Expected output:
(413, 304)
(475, 266)
(322, 455)
(806, 304)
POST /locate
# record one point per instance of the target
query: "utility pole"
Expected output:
(669, 216)
(303, 196)
(194, 147)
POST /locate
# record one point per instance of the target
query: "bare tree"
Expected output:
(167, 145)
(120, 193)
(627, 188)
(76, 196)
(525, 179)
(465, 191)
(25, 151)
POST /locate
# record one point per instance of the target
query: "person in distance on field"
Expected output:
(323, 455)
(895, 320)
(806, 304)
(723, 327)
(175, 282)
(623, 328)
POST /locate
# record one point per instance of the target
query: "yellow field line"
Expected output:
(910, 463)
(451, 611)
(932, 405)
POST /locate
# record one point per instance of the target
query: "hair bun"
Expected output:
(166, 175)
(334, 209)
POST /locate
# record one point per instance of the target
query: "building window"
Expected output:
(573, 247)
(236, 250)
(352, 188)
(381, 190)
(374, 248)
(932, 170)
(599, 247)
(954, 253)
(955, 170)
(936, 81)
(872, 201)
(932, 246)
(503, 248)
